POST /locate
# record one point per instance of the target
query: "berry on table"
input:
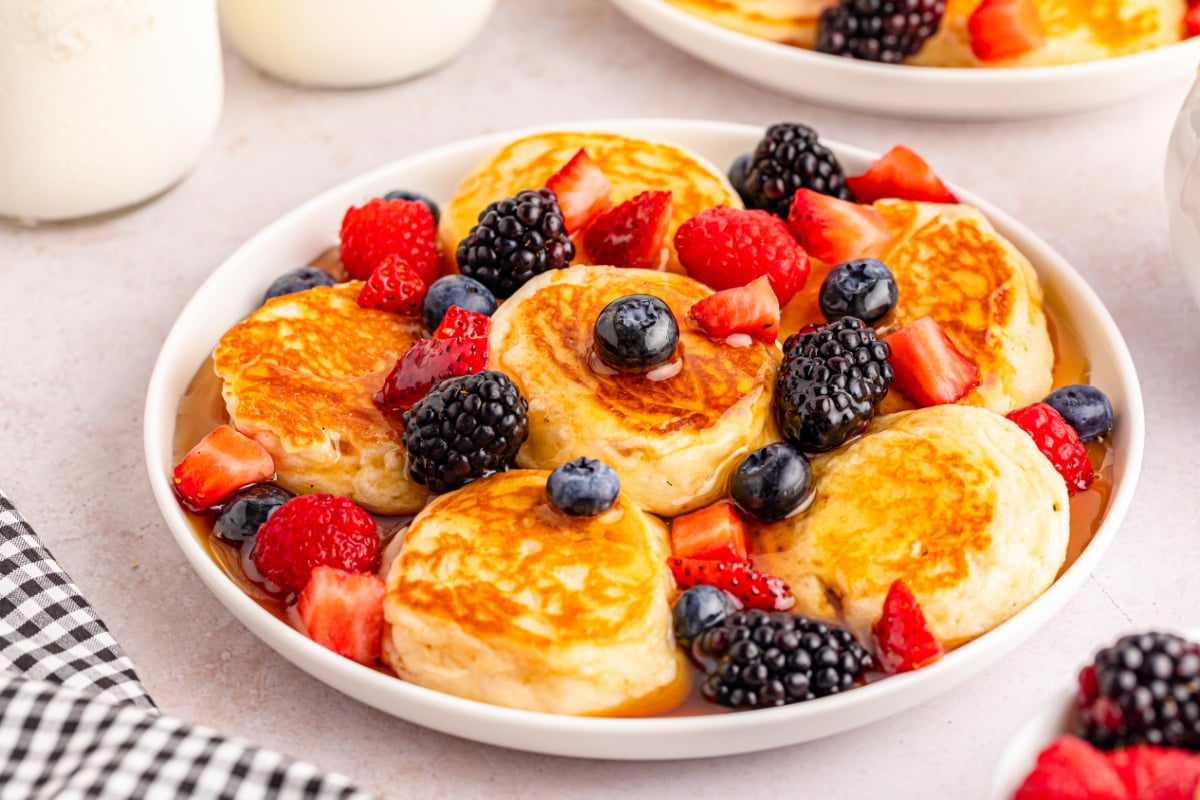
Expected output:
(393, 286)
(712, 533)
(312, 530)
(902, 174)
(635, 333)
(865, 289)
(343, 611)
(242, 515)
(903, 641)
(455, 290)
(1058, 442)
(1071, 769)
(220, 463)
(752, 309)
(582, 191)
(404, 194)
(790, 156)
(381, 228)
(929, 369)
(633, 234)
(1085, 408)
(516, 238)
(298, 280)
(584, 487)
(888, 31)
(700, 608)
(751, 588)
(834, 230)
(773, 482)
(458, 322)
(427, 363)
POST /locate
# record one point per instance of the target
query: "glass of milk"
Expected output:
(1182, 181)
(103, 103)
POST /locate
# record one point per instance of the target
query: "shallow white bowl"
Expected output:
(902, 90)
(236, 288)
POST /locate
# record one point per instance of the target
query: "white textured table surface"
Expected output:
(85, 308)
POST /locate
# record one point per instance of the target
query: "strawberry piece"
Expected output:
(713, 533)
(427, 363)
(1058, 442)
(727, 247)
(312, 530)
(752, 309)
(582, 191)
(458, 323)
(836, 230)
(631, 235)
(752, 588)
(220, 464)
(929, 369)
(393, 286)
(1191, 20)
(343, 611)
(1002, 29)
(903, 640)
(900, 173)
(1157, 773)
(1071, 769)
(381, 228)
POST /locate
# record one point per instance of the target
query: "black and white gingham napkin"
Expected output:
(75, 721)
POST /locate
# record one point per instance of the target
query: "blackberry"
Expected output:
(465, 428)
(787, 158)
(832, 378)
(516, 238)
(758, 659)
(1144, 689)
(878, 30)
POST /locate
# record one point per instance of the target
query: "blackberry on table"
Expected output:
(888, 31)
(516, 238)
(790, 156)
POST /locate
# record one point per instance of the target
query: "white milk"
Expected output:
(103, 103)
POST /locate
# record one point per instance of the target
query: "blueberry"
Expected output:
(1085, 408)
(298, 280)
(863, 289)
(636, 332)
(249, 508)
(700, 608)
(404, 194)
(455, 290)
(737, 174)
(772, 482)
(584, 487)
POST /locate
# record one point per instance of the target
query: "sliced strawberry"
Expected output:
(752, 309)
(582, 191)
(900, 173)
(343, 611)
(631, 235)
(428, 362)
(1002, 29)
(458, 322)
(393, 286)
(1071, 769)
(752, 588)
(836, 230)
(220, 464)
(714, 533)
(1191, 20)
(1157, 773)
(903, 640)
(929, 369)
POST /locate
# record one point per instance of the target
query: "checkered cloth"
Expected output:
(75, 721)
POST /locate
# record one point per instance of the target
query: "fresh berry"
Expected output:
(752, 309)
(863, 289)
(903, 641)
(582, 191)
(455, 290)
(834, 230)
(633, 234)
(757, 659)
(465, 428)
(1191, 20)
(790, 156)
(1071, 769)
(404, 194)
(635, 332)
(713, 533)
(393, 286)
(773, 482)
(584, 487)
(1058, 442)
(312, 530)
(343, 611)
(902, 174)
(888, 31)
(427, 363)
(1157, 773)
(751, 588)
(516, 238)
(220, 464)
(700, 608)
(737, 174)
(240, 518)
(929, 369)
(459, 323)
(729, 247)
(381, 228)
(1085, 408)
(298, 280)
(1001, 29)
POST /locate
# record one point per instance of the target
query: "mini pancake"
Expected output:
(673, 440)
(299, 376)
(791, 22)
(956, 501)
(499, 597)
(631, 165)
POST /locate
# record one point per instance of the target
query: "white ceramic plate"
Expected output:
(931, 92)
(236, 288)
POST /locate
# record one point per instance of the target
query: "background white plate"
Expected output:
(902, 90)
(236, 288)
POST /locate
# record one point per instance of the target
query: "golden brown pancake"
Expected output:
(673, 440)
(299, 376)
(497, 596)
(785, 21)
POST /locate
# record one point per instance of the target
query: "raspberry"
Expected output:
(381, 228)
(393, 286)
(1058, 442)
(313, 530)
